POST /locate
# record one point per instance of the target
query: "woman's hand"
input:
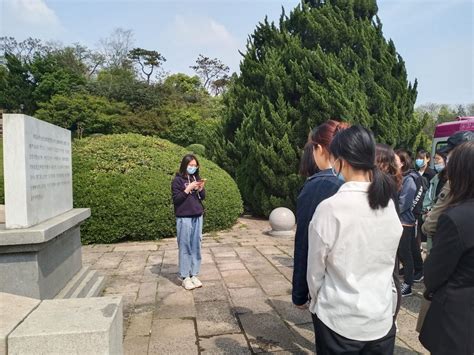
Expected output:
(192, 186)
(201, 185)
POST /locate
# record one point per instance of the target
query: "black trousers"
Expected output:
(409, 254)
(329, 342)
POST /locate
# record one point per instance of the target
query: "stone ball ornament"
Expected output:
(282, 220)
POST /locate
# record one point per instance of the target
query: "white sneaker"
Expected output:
(196, 282)
(188, 284)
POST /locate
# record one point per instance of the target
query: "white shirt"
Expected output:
(351, 258)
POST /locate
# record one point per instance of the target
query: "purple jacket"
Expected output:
(186, 205)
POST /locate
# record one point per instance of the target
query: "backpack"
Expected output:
(421, 188)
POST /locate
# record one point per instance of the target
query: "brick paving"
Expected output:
(244, 306)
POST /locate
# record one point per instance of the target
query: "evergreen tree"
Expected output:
(327, 59)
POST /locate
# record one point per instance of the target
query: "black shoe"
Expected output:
(406, 289)
(418, 277)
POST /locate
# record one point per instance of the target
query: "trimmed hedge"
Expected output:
(126, 181)
(197, 149)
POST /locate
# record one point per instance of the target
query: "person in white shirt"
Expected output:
(353, 240)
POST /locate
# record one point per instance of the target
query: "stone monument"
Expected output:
(40, 242)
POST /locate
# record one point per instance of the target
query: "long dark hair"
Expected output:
(385, 160)
(308, 166)
(184, 164)
(356, 145)
(405, 159)
(461, 173)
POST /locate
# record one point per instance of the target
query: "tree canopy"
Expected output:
(326, 59)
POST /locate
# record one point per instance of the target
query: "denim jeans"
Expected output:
(189, 232)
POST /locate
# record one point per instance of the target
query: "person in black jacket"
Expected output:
(448, 327)
(188, 191)
(317, 188)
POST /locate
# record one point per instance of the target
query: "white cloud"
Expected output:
(202, 31)
(29, 18)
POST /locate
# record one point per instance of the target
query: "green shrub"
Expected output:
(198, 149)
(126, 181)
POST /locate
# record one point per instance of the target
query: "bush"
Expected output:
(198, 149)
(126, 181)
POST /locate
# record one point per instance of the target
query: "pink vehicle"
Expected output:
(444, 130)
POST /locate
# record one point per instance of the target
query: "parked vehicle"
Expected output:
(444, 130)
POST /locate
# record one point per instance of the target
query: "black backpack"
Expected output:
(421, 187)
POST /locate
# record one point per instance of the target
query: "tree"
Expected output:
(146, 59)
(327, 59)
(16, 86)
(116, 47)
(83, 114)
(211, 71)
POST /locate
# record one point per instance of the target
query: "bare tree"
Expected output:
(147, 60)
(210, 71)
(116, 47)
(24, 50)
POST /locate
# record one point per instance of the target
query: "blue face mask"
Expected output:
(191, 169)
(338, 175)
(420, 163)
(439, 167)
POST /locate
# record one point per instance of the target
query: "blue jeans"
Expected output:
(189, 232)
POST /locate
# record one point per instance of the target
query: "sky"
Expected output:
(434, 37)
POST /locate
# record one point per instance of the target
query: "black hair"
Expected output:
(443, 175)
(308, 166)
(423, 154)
(184, 164)
(461, 173)
(356, 145)
(405, 159)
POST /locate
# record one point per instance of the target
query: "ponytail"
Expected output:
(381, 190)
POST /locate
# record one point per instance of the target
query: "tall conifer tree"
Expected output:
(327, 59)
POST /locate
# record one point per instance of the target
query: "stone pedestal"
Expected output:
(72, 326)
(13, 310)
(39, 261)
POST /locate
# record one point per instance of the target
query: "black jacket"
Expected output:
(186, 205)
(449, 279)
(317, 188)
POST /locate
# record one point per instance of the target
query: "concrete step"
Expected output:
(97, 288)
(72, 285)
(86, 283)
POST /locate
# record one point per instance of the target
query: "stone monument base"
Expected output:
(73, 326)
(40, 261)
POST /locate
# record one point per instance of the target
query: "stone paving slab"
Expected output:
(173, 336)
(215, 318)
(243, 307)
(267, 332)
(224, 344)
(249, 299)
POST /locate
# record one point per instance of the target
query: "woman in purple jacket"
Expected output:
(188, 191)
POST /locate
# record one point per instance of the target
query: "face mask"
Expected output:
(191, 170)
(420, 163)
(439, 167)
(338, 175)
(341, 177)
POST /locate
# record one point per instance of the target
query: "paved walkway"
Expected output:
(244, 306)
